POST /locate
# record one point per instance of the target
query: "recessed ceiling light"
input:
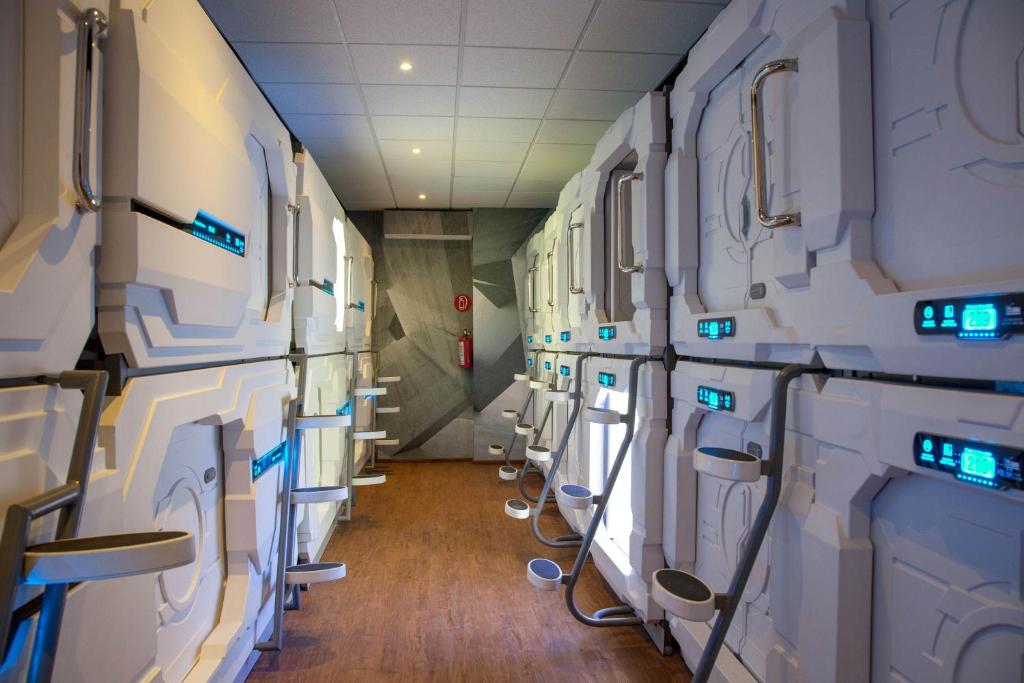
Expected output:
(405, 66)
(416, 150)
(422, 196)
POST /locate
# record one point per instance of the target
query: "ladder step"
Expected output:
(683, 594)
(517, 509)
(524, 429)
(319, 572)
(558, 396)
(539, 384)
(95, 558)
(496, 449)
(388, 442)
(543, 574)
(388, 410)
(389, 379)
(521, 377)
(319, 494)
(507, 473)
(538, 453)
(602, 416)
(369, 479)
(371, 391)
(369, 436)
(509, 414)
(574, 496)
(726, 463)
(323, 421)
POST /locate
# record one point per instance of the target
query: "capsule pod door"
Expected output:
(556, 262)
(201, 190)
(624, 297)
(319, 262)
(360, 288)
(532, 313)
(628, 545)
(50, 190)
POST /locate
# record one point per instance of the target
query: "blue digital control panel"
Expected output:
(606, 332)
(345, 409)
(606, 379)
(563, 370)
(565, 335)
(361, 306)
(529, 362)
(716, 328)
(327, 287)
(529, 339)
(217, 233)
(547, 365)
(995, 467)
(716, 399)
(971, 318)
(264, 463)
(547, 338)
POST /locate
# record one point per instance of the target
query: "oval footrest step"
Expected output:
(369, 479)
(371, 391)
(510, 414)
(521, 377)
(389, 379)
(574, 496)
(507, 473)
(369, 436)
(538, 453)
(388, 442)
(496, 449)
(543, 574)
(323, 421)
(603, 416)
(388, 410)
(517, 509)
(539, 384)
(95, 558)
(558, 396)
(319, 494)
(683, 594)
(726, 463)
(318, 572)
(524, 429)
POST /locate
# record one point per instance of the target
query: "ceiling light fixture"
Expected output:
(416, 150)
(405, 66)
(422, 196)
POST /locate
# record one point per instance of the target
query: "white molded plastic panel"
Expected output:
(852, 280)
(47, 248)
(554, 274)
(533, 306)
(360, 301)
(319, 308)
(633, 305)
(195, 141)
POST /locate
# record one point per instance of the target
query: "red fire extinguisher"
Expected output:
(466, 350)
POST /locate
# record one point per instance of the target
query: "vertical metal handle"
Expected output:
(571, 269)
(621, 216)
(551, 279)
(531, 287)
(92, 26)
(757, 133)
(348, 287)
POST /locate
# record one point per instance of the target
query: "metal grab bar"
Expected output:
(348, 278)
(551, 279)
(531, 287)
(92, 26)
(757, 143)
(571, 258)
(621, 220)
(295, 210)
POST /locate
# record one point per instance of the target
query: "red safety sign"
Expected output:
(463, 303)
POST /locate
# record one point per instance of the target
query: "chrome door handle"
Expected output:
(571, 269)
(92, 26)
(348, 287)
(551, 279)
(621, 214)
(531, 295)
(757, 133)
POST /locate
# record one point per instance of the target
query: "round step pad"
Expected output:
(517, 509)
(94, 558)
(323, 421)
(538, 453)
(539, 384)
(369, 479)
(389, 379)
(388, 442)
(604, 416)
(683, 594)
(574, 496)
(726, 463)
(509, 414)
(369, 436)
(388, 410)
(521, 377)
(319, 572)
(496, 449)
(507, 473)
(558, 396)
(524, 429)
(319, 494)
(371, 391)
(544, 574)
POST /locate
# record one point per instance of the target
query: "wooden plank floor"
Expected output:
(436, 591)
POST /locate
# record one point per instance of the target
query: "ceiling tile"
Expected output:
(416, 128)
(532, 200)
(474, 184)
(478, 200)
(423, 22)
(490, 169)
(437, 150)
(532, 185)
(476, 150)
(496, 130)
(618, 71)
(526, 23)
(597, 105)
(499, 66)
(411, 200)
(339, 147)
(414, 100)
(431, 64)
(520, 103)
(639, 26)
(328, 126)
(431, 172)
(575, 132)
(296, 21)
(310, 98)
(555, 162)
(297, 62)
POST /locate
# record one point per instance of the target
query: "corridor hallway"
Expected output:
(436, 591)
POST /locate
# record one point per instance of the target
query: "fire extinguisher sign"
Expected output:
(463, 302)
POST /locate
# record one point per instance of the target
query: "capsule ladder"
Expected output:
(70, 559)
(687, 596)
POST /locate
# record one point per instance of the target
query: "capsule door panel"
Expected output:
(359, 277)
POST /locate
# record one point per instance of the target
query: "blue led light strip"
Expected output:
(264, 463)
(217, 233)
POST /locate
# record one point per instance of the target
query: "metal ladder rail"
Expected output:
(521, 479)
